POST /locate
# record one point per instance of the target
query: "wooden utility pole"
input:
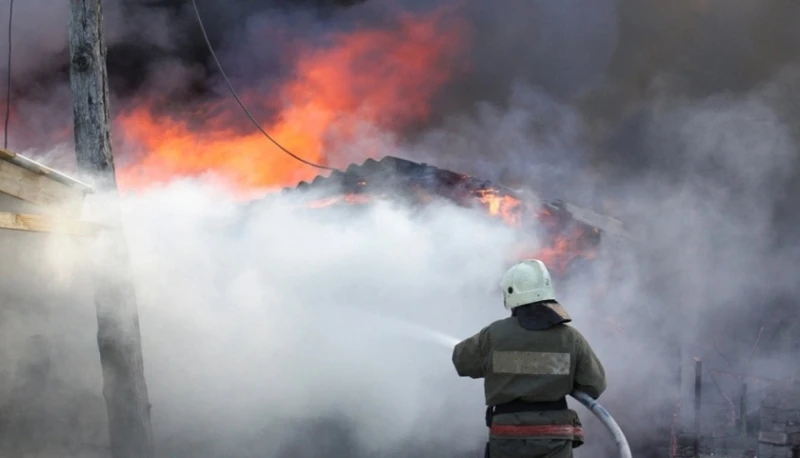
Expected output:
(698, 399)
(118, 337)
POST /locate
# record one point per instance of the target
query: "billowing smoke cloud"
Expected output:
(681, 118)
(701, 183)
(293, 320)
(267, 327)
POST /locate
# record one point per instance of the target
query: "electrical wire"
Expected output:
(8, 75)
(239, 101)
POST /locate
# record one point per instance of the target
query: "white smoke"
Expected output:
(252, 321)
(261, 322)
(265, 330)
(264, 326)
(700, 185)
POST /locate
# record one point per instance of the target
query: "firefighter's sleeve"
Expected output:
(470, 356)
(590, 377)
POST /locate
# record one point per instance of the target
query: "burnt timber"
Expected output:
(416, 183)
(399, 178)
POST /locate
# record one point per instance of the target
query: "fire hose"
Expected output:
(591, 404)
(607, 420)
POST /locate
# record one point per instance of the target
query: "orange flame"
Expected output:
(504, 206)
(565, 247)
(561, 246)
(378, 77)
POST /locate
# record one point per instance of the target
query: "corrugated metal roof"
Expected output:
(395, 174)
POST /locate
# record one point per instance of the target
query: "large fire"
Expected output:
(382, 78)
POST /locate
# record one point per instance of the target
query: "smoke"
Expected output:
(263, 323)
(702, 184)
(535, 142)
(262, 326)
(681, 118)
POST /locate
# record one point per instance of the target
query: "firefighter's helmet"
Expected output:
(527, 282)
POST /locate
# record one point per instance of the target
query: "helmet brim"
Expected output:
(558, 308)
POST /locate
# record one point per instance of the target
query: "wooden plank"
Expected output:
(7, 153)
(40, 190)
(37, 167)
(44, 223)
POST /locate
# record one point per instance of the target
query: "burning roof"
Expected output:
(567, 239)
(394, 177)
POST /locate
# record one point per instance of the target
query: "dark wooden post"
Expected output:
(678, 371)
(675, 411)
(698, 391)
(118, 337)
(743, 409)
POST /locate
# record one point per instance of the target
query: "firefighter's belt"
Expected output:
(516, 431)
(518, 406)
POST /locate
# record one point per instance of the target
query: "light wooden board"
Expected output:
(37, 167)
(40, 190)
(43, 223)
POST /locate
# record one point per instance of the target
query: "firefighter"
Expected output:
(530, 362)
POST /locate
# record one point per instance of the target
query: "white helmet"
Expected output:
(527, 282)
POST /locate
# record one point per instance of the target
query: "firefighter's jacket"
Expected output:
(543, 363)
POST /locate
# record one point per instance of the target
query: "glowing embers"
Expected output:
(567, 240)
(504, 206)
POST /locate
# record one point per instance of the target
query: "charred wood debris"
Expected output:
(571, 233)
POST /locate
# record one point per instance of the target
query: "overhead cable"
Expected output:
(239, 101)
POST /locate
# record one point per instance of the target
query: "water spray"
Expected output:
(587, 401)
